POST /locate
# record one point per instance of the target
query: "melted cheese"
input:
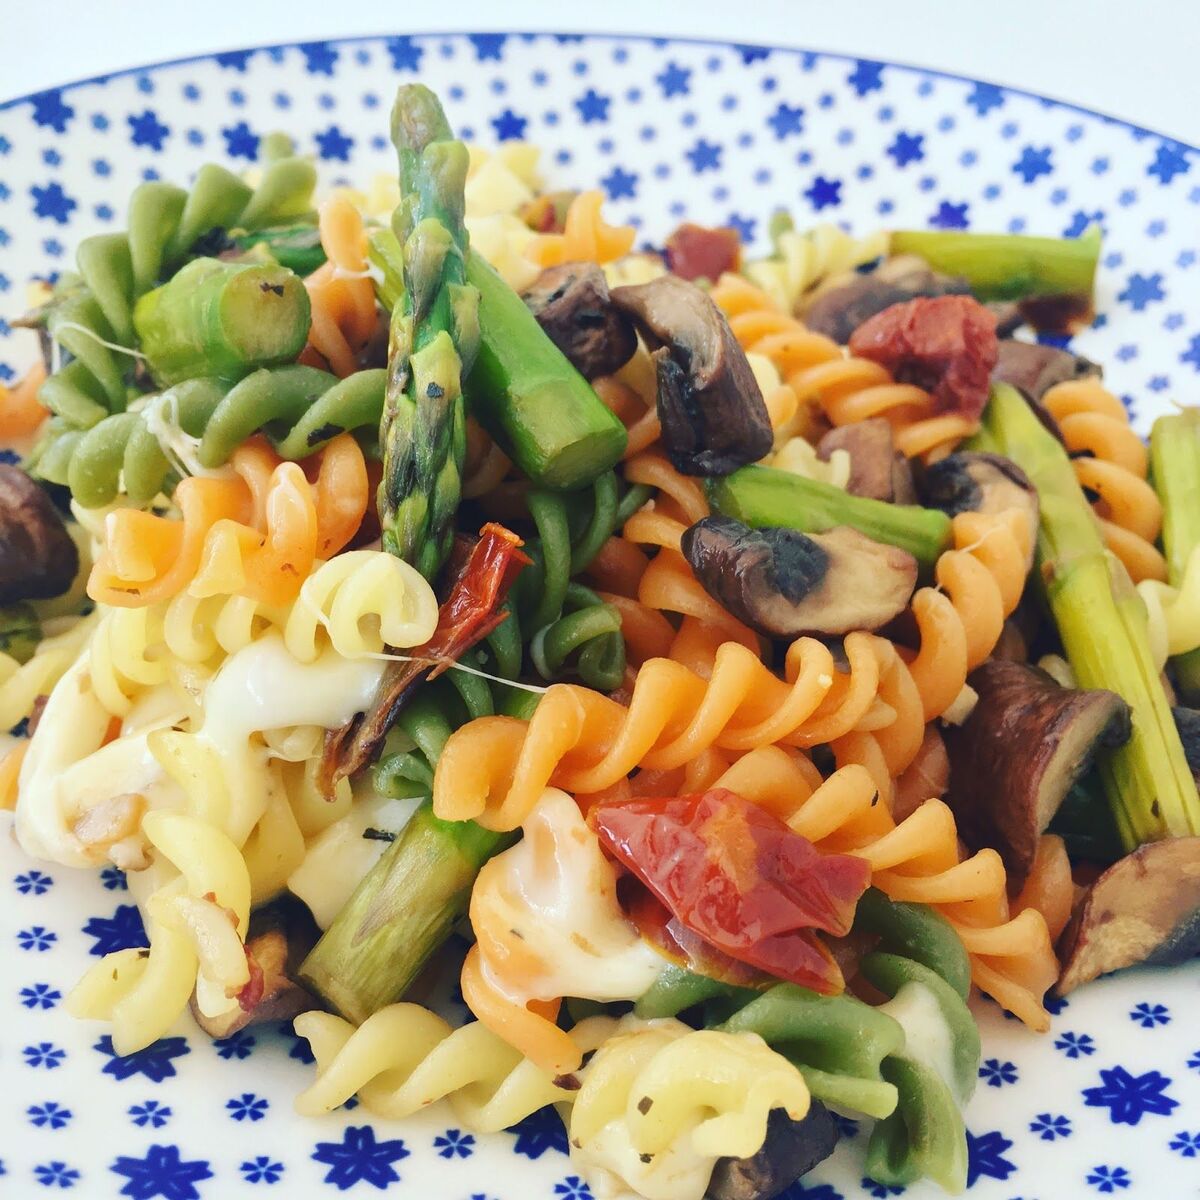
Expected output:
(557, 891)
(927, 1036)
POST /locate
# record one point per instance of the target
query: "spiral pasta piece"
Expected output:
(21, 414)
(257, 534)
(917, 859)
(805, 262)
(340, 292)
(586, 237)
(495, 769)
(404, 1058)
(22, 683)
(1173, 613)
(547, 924)
(820, 372)
(1111, 463)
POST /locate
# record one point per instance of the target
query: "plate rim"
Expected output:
(101, 78)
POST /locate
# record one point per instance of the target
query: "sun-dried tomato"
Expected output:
(738, 877)
(697, 252)
(944, 344)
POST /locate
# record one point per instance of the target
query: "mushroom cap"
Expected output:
(1144, 909)
(38, 558)
(791, 1149)
(1035, 368)
(573, 307)
(877, 470)
(784, 583)
(973, 481)
(1024, 745)
(714, 419)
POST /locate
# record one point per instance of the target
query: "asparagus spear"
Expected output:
(221, 319)
(434, 336)
(20, 631)
(1102, 623)
(296, 246)
(761, 496)
(401, 912)
(1175, 468)
(522, 389)
(1000, 266)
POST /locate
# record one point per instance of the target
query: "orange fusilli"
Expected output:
(340, 292)
(818, 370)
(586, 236)
(1111, 463)
(256, 533)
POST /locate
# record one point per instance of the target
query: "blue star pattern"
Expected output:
(573, 1188)
(454, 1144)
(145, 129)
(262, 1169)
(996, 1073)
(1050, 1127)
(150, 1113)
(50, 1115)
(671, 131)
(56, 1174)
(36, 937)
(247, 1107)
(122, 931)
(33, 883)
(162, 1172)
(359, 1157)
(155, 1062)
(1107, 1179)
(1131, 1097)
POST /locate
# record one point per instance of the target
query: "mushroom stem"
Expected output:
(1102, 623)
(764, 496)
(1175, 467)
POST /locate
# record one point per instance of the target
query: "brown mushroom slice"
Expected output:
(877, 470)
(38, 559)
(280, 936)
(784, 583)
(984, 483)
(1013, 760)
(791, 1150)
(573, 307)
(1143, 909)
(713, 416)
(1035, 369)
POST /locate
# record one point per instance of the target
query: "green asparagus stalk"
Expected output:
(1102, 623)
(221, 320)
(20, 631)
(543, 413)
(523, 390)
(762, 496)
(434, 336)
(400, 913)
(1000, 266)
(1175, 469)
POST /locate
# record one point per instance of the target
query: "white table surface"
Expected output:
(1135, 59)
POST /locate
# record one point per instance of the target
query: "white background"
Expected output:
(1135, 59)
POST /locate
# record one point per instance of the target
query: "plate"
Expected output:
(1107, 1103)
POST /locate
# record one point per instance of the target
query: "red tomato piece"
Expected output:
(944, 344)
(738, 877)
(697, 252)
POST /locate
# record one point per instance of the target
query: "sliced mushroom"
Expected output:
(1005, 799)
(838, 311)
(713, 416)
(791, 1149)
(1035, 369)
(37, 556)
(984, 483)
(572, 305)
(784, 583)
(1143, 909)
(877, 470)
(280, 935)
